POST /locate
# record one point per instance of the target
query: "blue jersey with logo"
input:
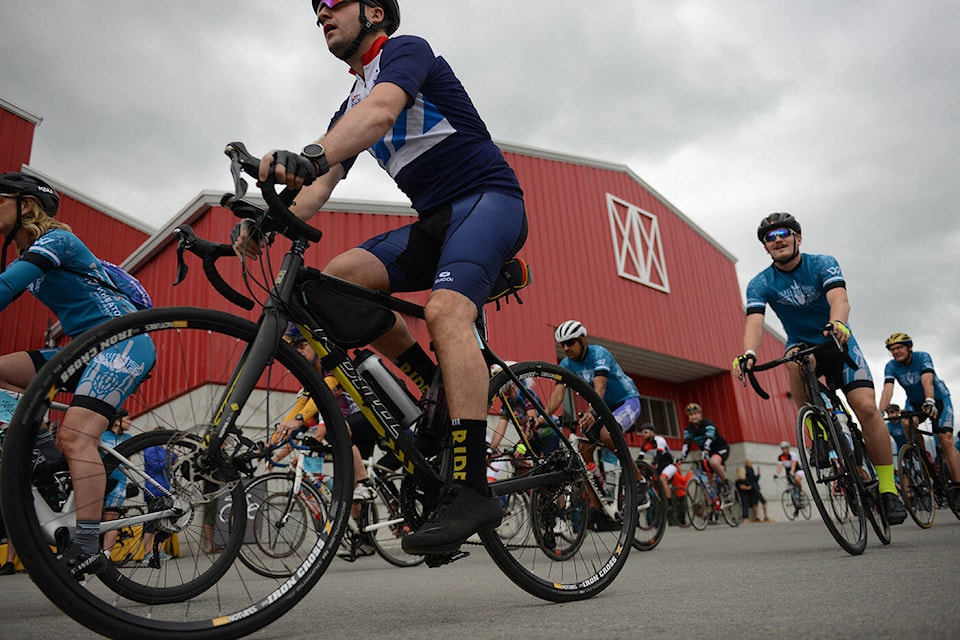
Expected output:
(908, 375)
(597, 359)
(439, 149)
(798, 297)
(79, 302)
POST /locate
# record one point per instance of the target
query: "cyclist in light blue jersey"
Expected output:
(808, 293)
(410, 111)
(56, 267)
(925, 392)
(598, 368)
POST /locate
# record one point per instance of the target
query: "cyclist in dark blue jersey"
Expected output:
(808, 292)
(926, 392)
(408, 109)
(56, 267)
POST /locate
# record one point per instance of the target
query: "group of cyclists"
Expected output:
(410, 111)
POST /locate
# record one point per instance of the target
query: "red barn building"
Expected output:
(605, 248)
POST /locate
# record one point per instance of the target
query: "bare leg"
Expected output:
(78, 438)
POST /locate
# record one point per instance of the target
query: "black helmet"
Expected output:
(15, 183)
(391, 10)
(777, 221)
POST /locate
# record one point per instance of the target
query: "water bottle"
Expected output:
(597, 476)
(390, 390)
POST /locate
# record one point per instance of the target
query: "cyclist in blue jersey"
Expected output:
(410, 111)
(597, 366)
(704, 434)
(808, 293)
(925, 392)
(895, 426)
(56, 267)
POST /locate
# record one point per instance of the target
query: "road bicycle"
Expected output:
(841, 478)
(924, 481)
(221, 381)
(706, 499)
(794, 501)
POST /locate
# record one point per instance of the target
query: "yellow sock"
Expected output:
(885, 477)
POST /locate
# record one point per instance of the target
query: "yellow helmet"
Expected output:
(899, 338)
(693, 407)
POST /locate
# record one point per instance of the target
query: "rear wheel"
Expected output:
(870, 490)
(731, 508)
(587, 554)
(916, 487)
(198, 351)
(829, 472)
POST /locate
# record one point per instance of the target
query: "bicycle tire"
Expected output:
(192, 573)
(516, 516)
(835, 470)
(732, 508)
(602, 554)
(916, 487)
(559, 520)
(651, 521)
(386, 523)
(192, 344)
(790, 507)
(869, 488)
(945, 480)
(805, 509)
(698, 505)
(285, 527)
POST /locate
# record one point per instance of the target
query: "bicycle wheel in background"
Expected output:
(179, 570)
(285, 526)
(385, 524)
(953, 505)
(805, 508)
(790, 506)
(731, 508)
(698, 505)
(652, 518)
(197, 352)
(916, 487)
(829, 471)
(592, 564)
(516, 516)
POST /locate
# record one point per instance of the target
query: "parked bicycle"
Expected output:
(220, 381)
(705, 499)
(794, 501)
(924, 480)
(842, 480)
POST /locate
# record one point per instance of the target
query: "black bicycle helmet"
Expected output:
(391, 10)
(21, 184)
(780, 220)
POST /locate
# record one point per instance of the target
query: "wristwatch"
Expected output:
(299, 418)
(315, 153)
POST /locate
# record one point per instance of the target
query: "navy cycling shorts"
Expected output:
(461, 246)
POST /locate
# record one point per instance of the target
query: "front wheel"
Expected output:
(652, 517)
(197, 353)
(698, 504)
(828, 466)
(576, 545)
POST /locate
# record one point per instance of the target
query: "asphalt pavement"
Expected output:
(760, 580)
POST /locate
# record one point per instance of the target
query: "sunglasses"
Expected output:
(331, 3)
(570, 342)
(777, 234)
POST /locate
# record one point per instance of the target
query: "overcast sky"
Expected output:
(843, 113)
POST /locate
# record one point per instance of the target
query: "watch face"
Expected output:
(313, 150)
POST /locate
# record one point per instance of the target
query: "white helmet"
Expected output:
(569, 330)
(784, 445)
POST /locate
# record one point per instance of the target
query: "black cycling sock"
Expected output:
(417, 365)
(87, 536)
(470, 453)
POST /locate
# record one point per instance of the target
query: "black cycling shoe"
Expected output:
(461, 512)
(643, 496)
(81, 564)
(893, 509)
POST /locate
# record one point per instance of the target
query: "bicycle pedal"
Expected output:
(439, 559)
